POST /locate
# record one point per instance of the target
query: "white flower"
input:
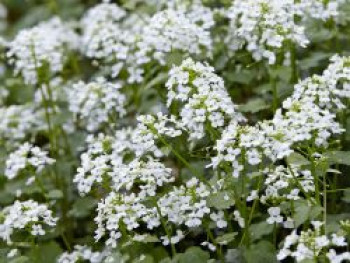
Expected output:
(19, 121)
(26, 156)
(174, 239)
(117, 209)
(264, 27)
(25, 214)
(43, 47)
(275, 217)
(84, 253)
(219, 219)
(185, 205)
(239, 218)
(171, 30)
(96, 103)
(203, 97)
(339, 241)
(110, 37)
(211, 246)
(37, 230)
(12, 253)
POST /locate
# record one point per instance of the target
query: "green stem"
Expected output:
(212, 239)
(293, 61)
(167, 232)
(178, 155)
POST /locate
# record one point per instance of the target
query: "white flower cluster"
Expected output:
(186, 205)
(27, 215)
(27, 156)
(53, 91)
(82, 253)
(281, 184)
(264, 27)
(317, 9)
(203, 95)
(105, 156)
(119, 213)
(328, 90)
(311, 243)
(171, 30)
(43, 47)
(120, 40)
(303, 118)
(19, 121)
(161, 125)
(109, 35)
(146, 175)
(195, 10)
(96, 103)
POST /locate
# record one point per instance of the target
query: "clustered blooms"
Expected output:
(28, 157)
(106, 155)
(203, 95)
(266, 27)
(109, 36)
(328, 90)
(186, 204)
(96, 103)
(44, 47)
(128, 41)
(25, 216)
(142, 191)
(283, 184)
(19, 121)
(263, 27)
(303, 118)
(173, 30)
(310, 243)
(82, 253)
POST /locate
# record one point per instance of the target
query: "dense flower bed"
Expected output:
(174, 131)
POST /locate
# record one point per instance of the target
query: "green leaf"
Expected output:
(226, 238)
(305, 211)
(47, 253)
(144, 259)
(20, 259)
(82, 207)
(297, 159)
(194, 255)
(55, 194)
(149, 239)
(221, 200)
(234, 255)
(254, 106)
(260, 229)
(338, 157)
(261, 252)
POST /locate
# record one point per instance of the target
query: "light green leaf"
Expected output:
(55, 194)
(297, 159)
(221, 200)
(260, 229)
(338, 157)
(226, 238)
(254, 106)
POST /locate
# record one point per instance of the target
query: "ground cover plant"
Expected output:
(174, 131)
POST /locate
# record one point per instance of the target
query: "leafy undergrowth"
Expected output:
(174, 131)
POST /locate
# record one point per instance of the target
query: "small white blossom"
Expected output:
(25, 214)
(43, 47)
(96, 103)
(26, 157)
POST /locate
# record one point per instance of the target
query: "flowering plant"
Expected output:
(174, 131)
